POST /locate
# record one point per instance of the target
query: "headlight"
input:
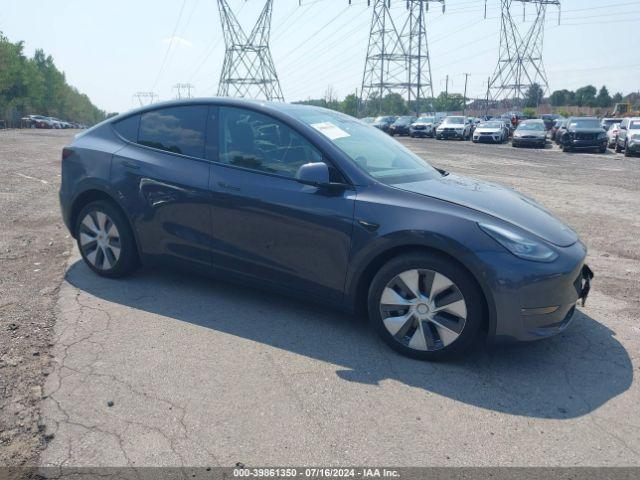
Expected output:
(519, 245)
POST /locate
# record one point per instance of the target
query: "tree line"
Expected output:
(395, 104)
(34, 86)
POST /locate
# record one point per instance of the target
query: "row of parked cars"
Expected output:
(621, 134)
(575, 133)
(477, 129)
(40, 121)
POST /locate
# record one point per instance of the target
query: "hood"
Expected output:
(530, 133)
(497, 201)
(586, 130)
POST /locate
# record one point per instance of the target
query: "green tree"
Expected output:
(533, 96)
(603, 99)
(350, 105)
(586, 96)
(452, 102)
(617, 98)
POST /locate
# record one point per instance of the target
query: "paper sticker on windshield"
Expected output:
(329, 130)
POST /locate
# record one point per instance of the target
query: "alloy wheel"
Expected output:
(100, 240)
(423, 310)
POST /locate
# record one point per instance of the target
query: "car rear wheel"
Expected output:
(105, 240)
(425, 306)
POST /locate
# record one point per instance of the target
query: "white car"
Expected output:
(629, 136)
(492, 131)
(454, 127)
(612, 135)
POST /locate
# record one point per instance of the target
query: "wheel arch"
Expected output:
(96, 194)
(360, 289)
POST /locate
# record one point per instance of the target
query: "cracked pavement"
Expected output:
(167, 368)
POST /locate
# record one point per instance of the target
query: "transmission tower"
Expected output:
(520, 57)
(183, 90)
(145, 98)
(398, 53)
(248, 69)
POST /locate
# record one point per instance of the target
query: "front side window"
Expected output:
(252, 140)
(374, 152)
(176, 129)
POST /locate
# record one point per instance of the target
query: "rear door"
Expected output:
(265, 224)
(162, 178)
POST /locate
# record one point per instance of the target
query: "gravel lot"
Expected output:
(165, 368)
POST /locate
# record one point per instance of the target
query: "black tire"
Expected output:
(128, 260)
(566, 148)
(627, 153)
(602, 149)
(618, 149)
(459, 276)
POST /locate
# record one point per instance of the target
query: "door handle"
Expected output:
(226, 186)
(131, 165)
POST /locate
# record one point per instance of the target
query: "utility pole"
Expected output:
(179, 87)
(248, 70)
(145, 98)
(464, 101)
(486, 112)
(520, 62)
(398, 53)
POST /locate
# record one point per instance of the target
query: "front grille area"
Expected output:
(586, 136)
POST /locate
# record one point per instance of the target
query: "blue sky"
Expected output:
(112, 49)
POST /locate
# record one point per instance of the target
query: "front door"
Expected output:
(267, 225)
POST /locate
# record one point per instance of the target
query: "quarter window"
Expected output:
(128, 128)
(258, 142)
(177, 130)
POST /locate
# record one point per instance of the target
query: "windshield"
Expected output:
(454, 120)
(426, 119)
(491, 125)
(532, 126)
(383, 119)
(404, 120)
(374, 152)
(584, 123)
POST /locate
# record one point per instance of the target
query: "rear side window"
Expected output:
(128, 128)
(179, 130)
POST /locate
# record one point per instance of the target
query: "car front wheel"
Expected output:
(425, 306)
(105, 240)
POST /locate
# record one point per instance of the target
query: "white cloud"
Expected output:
(178, 42)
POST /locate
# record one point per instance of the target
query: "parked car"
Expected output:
(612, 135)
(629, 136)
(37, 121)
(423, 127)
(384, 122)
(368, 120)
(558, 129)
(493, 131)
(530, 133)
(607, 122)
(330, 209)
(401, 125)
(550, 120)
(583, 133)
(454, 127)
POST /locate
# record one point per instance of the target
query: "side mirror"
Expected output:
(315, 174)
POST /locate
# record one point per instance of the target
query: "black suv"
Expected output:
(401, 126)
(583, 133)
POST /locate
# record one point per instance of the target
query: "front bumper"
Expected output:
(523, 141)
(537, 300)
(449, 134)
(487, 137)
(577, 143)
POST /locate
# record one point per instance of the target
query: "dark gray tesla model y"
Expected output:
(315, 203)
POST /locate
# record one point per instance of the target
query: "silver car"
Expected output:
(530, 133)
(454, 127)
(423, 127)
(629, 136)
(492, 131)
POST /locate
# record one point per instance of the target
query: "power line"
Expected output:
(171, 40)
